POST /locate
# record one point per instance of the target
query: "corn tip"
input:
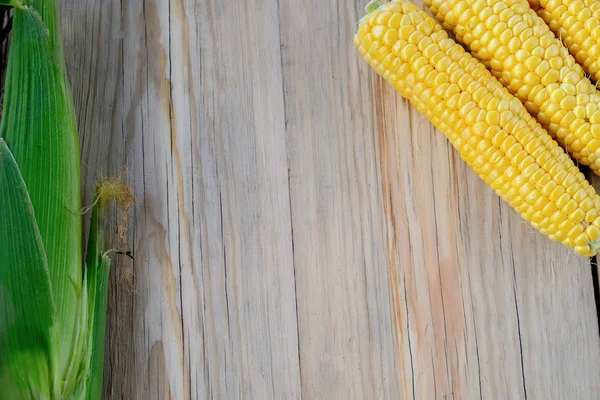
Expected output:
(595, 245)
(373, 5)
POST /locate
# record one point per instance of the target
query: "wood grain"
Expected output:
(346, 342)
(300, 231)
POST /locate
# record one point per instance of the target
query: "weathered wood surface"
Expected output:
(300, 231)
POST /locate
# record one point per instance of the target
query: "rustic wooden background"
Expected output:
(299, 230)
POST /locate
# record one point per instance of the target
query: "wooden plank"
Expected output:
(484, 306)
(233, 94)
(199, 123)
(141, 122)
(346, 341)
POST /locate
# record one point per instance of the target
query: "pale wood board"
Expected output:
(299, 230)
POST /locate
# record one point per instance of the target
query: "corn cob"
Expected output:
(52, 305)
(491, 129)
(519, 47)
(577, 24)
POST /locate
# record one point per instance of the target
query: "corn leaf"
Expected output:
(39, 125)
(26, 306)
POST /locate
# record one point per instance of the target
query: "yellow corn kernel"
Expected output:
(577, 216)
(585, 251)
(491, 129)
(591, 215)
(571, 207)
(581, 240)
(593, 232)
(562, 201)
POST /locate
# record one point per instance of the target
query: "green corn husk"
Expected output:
(52, 307)
(25, 325)
(46, 149)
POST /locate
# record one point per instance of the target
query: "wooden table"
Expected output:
(300, 231)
